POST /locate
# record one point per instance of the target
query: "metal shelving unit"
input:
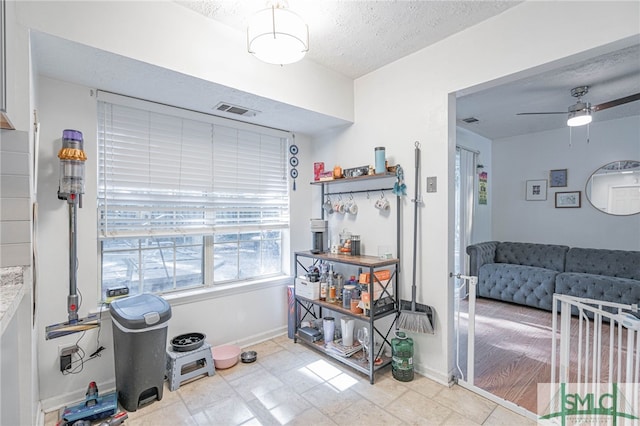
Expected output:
(384, 306)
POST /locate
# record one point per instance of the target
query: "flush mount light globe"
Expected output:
(277, 35)
(579, 114)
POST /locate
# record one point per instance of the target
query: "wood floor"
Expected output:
(513, 349)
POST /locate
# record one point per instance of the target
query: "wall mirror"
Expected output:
(615, 188)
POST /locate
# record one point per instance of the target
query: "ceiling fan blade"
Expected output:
(537, 113)
(616, 102)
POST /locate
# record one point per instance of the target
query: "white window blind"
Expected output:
(187, 173)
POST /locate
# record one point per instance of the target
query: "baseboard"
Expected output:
(259, 338)
(434, 375)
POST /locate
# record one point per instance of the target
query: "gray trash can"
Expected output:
(139, 344)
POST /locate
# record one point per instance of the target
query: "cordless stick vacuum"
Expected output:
(71, 187)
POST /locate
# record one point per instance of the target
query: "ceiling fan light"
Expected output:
(579, 115)
(277, 36)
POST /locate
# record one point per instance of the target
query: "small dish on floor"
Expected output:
(225, 356)
(249, 356)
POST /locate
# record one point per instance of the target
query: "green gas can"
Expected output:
(402, 361)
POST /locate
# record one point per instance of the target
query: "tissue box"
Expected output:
(307, 289)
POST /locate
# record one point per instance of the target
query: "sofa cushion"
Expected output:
(526, 285)
(612, 263)
(599, 287)
(546, 256)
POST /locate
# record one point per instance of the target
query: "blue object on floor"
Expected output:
(94, 407)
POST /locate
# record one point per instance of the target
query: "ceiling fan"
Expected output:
(580, 113)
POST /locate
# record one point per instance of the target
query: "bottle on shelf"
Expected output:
(354, 286)
(323, 282)
(347, 293)
(331, 285)
(339, 280)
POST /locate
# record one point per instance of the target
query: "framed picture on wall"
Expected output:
(536, 190)
(568, 200)
(558, 178)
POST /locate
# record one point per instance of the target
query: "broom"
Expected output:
(417, 318)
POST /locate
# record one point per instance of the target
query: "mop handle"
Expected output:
(415, 228)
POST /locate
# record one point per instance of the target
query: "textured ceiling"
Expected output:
(357, 37)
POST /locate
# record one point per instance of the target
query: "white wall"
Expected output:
(530, 157)
(420, 85)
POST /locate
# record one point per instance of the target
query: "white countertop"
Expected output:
(12, 289)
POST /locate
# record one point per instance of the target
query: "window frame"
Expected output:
(208, 285)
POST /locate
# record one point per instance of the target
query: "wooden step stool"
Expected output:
(182, 366)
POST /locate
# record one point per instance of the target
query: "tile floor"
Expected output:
(294, 385)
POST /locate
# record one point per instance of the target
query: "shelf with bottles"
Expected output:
(375, 283)
(373, 272)
(382, 307)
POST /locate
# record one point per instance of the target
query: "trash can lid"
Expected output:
(141, 311)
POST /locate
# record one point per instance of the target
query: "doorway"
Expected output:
(508, 148)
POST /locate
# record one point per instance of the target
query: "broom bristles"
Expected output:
(418, 322)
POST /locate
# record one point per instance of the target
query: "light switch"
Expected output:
(432, 184)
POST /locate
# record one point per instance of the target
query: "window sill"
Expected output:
(225, 290)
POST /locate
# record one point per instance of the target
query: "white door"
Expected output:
(624, 199)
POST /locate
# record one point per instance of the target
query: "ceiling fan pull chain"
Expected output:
(588, 133)
(570, 133)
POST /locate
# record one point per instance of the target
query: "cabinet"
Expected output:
(5, 123)
(382, 316)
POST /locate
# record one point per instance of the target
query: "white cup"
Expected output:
(328, 207)
(347, 325)
(352, 207)
(382, 204)
(328, 325)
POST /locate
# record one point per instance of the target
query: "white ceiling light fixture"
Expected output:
(277, 35)
(579, 114)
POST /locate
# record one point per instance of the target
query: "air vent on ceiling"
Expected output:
(470, 120)
(235, 109)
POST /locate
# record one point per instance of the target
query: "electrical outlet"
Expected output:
(64, 350)
(65, 363)
(65, 353)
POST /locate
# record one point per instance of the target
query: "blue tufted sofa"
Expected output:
(529, 273)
